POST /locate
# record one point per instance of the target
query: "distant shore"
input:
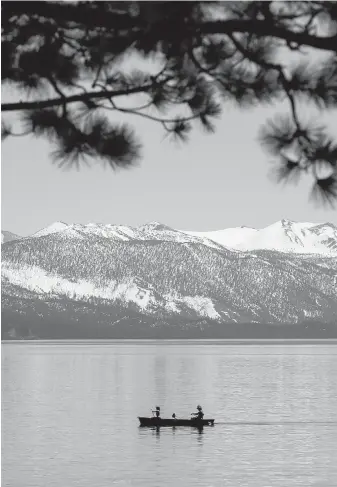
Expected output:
(223, 341)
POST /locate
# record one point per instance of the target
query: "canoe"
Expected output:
(196, 423)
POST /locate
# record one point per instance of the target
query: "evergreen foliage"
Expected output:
(66, 62)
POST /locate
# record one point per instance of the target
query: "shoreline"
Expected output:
(224, 341)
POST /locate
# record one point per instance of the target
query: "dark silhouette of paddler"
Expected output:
(199, 414)
(157, 412)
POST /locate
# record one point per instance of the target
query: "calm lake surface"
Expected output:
(69, 414)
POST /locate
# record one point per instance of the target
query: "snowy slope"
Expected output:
(149, 231)
(283, 236)
(53, 228)
(230, 237)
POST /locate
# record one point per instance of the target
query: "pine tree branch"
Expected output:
(277, 67)
(262, 28)
(153, 118)
(83, 97)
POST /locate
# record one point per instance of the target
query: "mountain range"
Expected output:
(109, 281)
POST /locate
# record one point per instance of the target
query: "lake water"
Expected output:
(69, 414)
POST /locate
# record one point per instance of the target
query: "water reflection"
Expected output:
(194, 429)
(156, 431)
(70, 416)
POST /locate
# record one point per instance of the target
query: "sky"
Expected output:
(210, 183)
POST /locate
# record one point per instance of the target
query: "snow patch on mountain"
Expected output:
(171, 303)
(38, 280)
(113, 232)
(229, 237)
(202, 305)
(53, 228)
(155, 226)
(131, 292)
(282, 236)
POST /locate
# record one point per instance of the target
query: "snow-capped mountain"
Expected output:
(282, 236)
(146, 278)
(150, 231)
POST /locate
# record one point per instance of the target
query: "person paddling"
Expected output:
(199, 414)
(157, 411)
